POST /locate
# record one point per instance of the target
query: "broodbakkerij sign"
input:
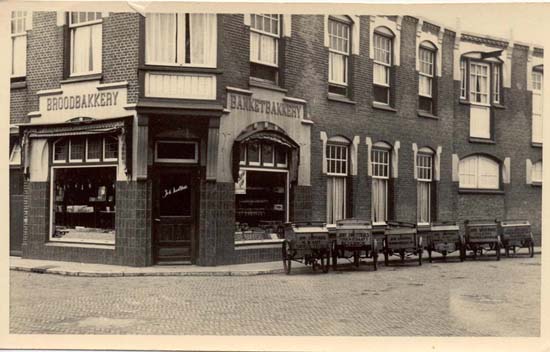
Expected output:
(83, 101)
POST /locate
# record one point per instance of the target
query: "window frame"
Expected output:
(346, 55)
(537, 119)
(425, 155)
(72, 30)
(390, 37)
(195, 159)
(23, 17)
(277, 37)
(477, 174)
(494, 73)
(430, 76)
(342, 162)
(381, 150)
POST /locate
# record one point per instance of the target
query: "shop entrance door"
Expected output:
(174, 192)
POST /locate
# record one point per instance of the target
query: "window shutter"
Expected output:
(354, 151)
(528, 171)
(324, 139)
(506, 171)
(395, 159)
(437, 164)
(415, 152)
(455, 168)
(368, 141)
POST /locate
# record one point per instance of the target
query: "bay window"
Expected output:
(265, 33)
(537, 106)
(383, 42)
(424, 170)
(426, 52)
(337, 172)
(380, 163)
(181, 39)
(479, 172)
(19, 43)
(339, 32)
(86, 41)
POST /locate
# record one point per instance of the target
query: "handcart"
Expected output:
(401, 239)
(307, 243)
(482, 235)
(352, 238)
(444, 238)
(516, 234)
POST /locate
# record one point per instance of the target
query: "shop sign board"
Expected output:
(82, 99)
(481, 233)
(274, 106)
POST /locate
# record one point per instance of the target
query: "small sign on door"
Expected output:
(240, 185)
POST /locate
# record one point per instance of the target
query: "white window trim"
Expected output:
(489, 83)
(104, 149)
(71, 46)
(395, 27)
(52, 197)
(279, 165)
(436, 40)
(477, 175)
(173, 160)
(255, 163)
(272, 163)
(28, 26)
(338, 142)
(71, 160)
(243, 147)
(354, 32)
(86, 152)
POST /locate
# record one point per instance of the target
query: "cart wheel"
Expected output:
(462, 253)
(420, 257)
(375, 260)
(356, 258)
(497, 249)
(386, 259)
(325, 259)
(430, 255)
(287, 262)
(531, 249)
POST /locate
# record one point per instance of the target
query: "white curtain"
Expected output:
(423, 202)
(160, 38)
(379, 199)
(86, 49)
(19, 56)
(337, 68)
(425, 85)
(203, 34)
(381, 74)
(537, 116)
(336, 199)
(263, 48)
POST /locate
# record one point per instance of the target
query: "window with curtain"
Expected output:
(265, 34)
(19, 43)
(479, 83)
(337, 172)
(181, 39)
(426, 53)
(382, 64)
(424, 172)
(536, 172)
(86, 42)
(479, 172)
(537, 123)
(380, 163)
(339, 51)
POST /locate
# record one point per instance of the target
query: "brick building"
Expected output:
(186, 138)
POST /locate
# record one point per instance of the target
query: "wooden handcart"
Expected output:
(353, 239)
(482, 235)
(516, 234)
(307, 243)
(444, 238)
(401, 239)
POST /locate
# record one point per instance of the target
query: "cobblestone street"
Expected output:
(483, 298)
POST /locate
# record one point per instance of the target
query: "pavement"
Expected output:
(473, 298)
(102, 270)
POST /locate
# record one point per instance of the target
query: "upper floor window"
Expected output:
(383, 45)
(265, 34)
(181, 39)
(426, 73)
(86, 42)
(19, 43)
(479, 172)
(481, 81)
(339, 31)
(537, 106)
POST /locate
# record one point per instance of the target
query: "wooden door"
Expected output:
(174, 195)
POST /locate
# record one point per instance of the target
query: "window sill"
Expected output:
(266, 85)
(536, 144)
(536, 183)
(211, 70)
(427, 115)
(384, 107)
(498, 106)
(54, 243)
(18, 84)
(481, 140)
(464, 102)
(84, 78)
(340, 98)
(480, 191)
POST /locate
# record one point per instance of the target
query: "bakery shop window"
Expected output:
(261, 192)
(83, 189)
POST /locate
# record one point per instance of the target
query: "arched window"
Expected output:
(427, 59)
(383, 61)
(479, 172)
(337, 159)
(380, 163)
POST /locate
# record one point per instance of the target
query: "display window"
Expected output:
(269, 155)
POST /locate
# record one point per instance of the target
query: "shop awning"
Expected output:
(270, 136)
(73, 128)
